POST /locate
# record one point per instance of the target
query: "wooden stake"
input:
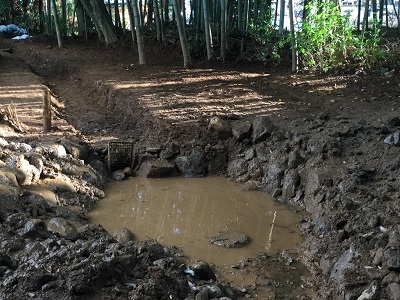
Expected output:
(46, 111)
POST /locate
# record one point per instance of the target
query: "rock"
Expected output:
(295, 159)
(273, 175)
(192, 164)
(230, 239)
(25, 172)
(63, 227)
(118, 175)
(315, 181)
(343, 264)
(391, 259)
(290, 183)
(371, 292)
(123, 235)
(394, 121)
(254, 170)
(221, 127)
(33, 228)
(202, 295)
(393, 291)
(57, 151)
(217, 162)
(170, 151)
(262, 129)
(241, 130)
(203, 271)
(393, 139)
(157, 168)
(214, 291)
(237, 167)
(249, 154)
(77, 151)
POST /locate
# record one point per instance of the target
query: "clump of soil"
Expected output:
(325, 144)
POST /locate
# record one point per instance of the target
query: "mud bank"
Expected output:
(340, 167)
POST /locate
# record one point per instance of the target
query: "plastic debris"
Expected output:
(14, 31)
(189, 271)
(192, 286)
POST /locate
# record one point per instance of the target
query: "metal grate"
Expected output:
(120, 155)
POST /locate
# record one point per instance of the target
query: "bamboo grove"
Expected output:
(315, 34)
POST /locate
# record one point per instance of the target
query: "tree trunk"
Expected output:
(166, 10)
(281, 17)
(187, 61)
(157, 20)
(359, 15)
(102, 20)
(80, 17)
(207, 29)
(139, 32)
(293, 38)
(223, 29)
(240, 15)
(56, 24)
(374, 12)
(123, 17)
(64, 18)
(365, 21)
(49, 24)
(131, 21)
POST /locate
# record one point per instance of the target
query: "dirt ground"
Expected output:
(101, 94)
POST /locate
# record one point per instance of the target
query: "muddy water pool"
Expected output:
(187, 212)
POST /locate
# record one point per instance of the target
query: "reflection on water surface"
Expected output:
(186, 212)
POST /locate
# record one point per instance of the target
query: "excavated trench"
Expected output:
(343, 170)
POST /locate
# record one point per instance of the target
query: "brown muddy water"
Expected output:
(187, 212)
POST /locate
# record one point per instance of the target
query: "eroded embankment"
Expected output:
(339, 169)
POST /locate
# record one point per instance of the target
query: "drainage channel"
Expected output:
(189, 212)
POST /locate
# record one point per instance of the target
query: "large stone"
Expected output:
(220, 127)
(123, 235)
(290, 183)
(391, 259)
(192, 164)
(217, 162)
(76, 150)
(371, 292)
(273, 175)
(344, 263)
(157, 168)
(262, 129)
(170, 151)
(315, 182)
(203, 271)
(63, 227)
(241, 130)
(230, 239)
(237, 167)
(393, 291)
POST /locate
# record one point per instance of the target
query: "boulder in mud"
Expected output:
(220, 127)
(230, 239)
(393, 291)
(123, 235)
(203, 271)
(290, 183)
(241, 130)
(62, 227)
(156, 168)
(76, 150)
(237, 167)
(262, 129)
(192, 164)
(170, 151)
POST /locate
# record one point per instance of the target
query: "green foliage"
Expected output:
(327, 40)
(267, 45)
